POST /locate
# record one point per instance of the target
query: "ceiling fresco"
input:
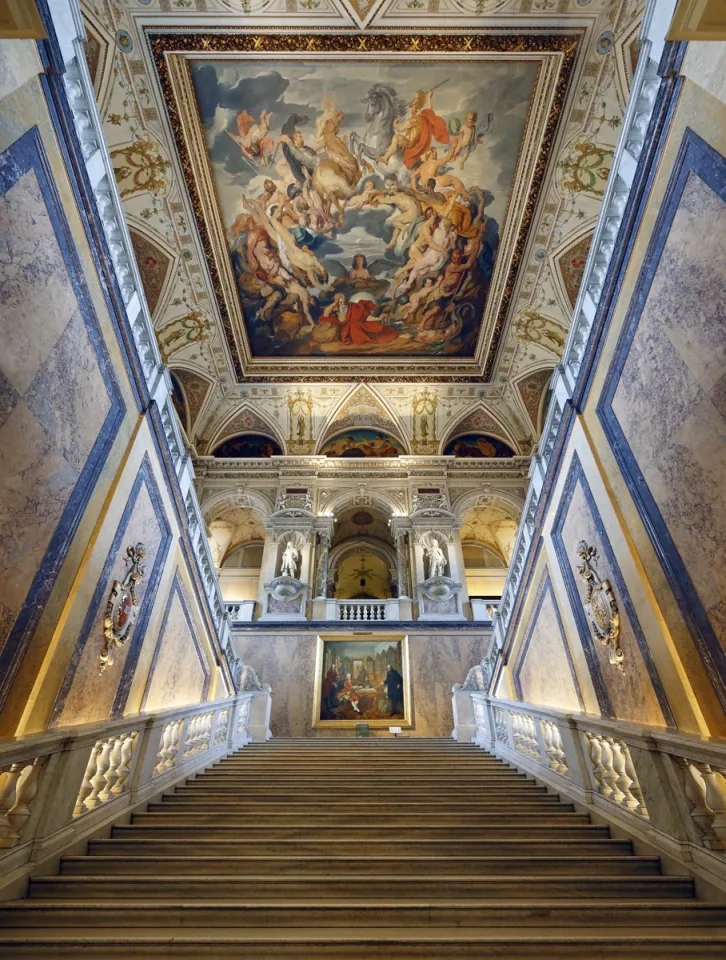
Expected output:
(363, 206)
(460, 343)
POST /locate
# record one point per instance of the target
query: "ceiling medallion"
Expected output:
(603, 608)
(122, 606)
(367, 222)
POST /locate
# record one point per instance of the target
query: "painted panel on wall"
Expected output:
(179, 672)
(85, 695)
(543, 672)
(633, 691)
(664, 409)
(60, 404)
(287, 662)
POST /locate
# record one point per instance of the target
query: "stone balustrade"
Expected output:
(357, 610)
(59, 786)
(667, 788)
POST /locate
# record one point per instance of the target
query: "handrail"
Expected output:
(666, 787)
(60, 785)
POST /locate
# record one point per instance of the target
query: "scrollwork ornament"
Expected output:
(122, 606)
(601, 604)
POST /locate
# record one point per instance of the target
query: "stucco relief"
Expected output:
(633, 692)
(543, 672)
(85, 695)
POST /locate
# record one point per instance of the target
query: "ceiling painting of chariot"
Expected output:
(363, 207)
(371, 209)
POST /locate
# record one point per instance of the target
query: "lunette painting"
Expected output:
(362, 443)
(363, 206)
(362, 681)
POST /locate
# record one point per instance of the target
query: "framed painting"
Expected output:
(362, 681)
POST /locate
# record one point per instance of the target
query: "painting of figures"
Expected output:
(362, 681)
(477, 445)
(362, 443)
(363, 202)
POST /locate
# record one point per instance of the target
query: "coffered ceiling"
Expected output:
(276, 208)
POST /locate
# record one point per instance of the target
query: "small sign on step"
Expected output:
(395, 730)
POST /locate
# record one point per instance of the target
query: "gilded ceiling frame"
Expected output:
(171, 54)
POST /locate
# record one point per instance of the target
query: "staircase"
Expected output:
(368, 848)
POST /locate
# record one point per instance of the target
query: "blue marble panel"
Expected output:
(186, 643)
(60, 404)
(663, 408)
(633, 691)
(84, 695)
(548, 656)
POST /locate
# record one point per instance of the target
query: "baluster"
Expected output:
(176, 730)
(86, 785)
(635, 790)
(26, 788)
(597, 765)
(625, 781)
(716, 799)
(112, 773)
(127, 752)
(695, 790)
(8, 786)
(163, 753)
(611, 777)
(98, 780)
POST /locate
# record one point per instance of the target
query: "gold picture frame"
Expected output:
(351, 685)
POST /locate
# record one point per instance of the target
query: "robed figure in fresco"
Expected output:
(394, 689)
(414, 135)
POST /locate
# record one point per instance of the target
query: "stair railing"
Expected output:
(56, 787)
(664, 787)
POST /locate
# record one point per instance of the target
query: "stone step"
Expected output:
(122, 847)
(489, 914)
(442, 944)
(333, 864)
(352, 782)
(353, 789)
(536, 819)
(352, 886)
(259, 807)
(188, 827)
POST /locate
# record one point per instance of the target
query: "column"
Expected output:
(321, 573)
(402, 563)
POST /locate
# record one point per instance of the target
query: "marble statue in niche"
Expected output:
(290, 556)
(436, 558)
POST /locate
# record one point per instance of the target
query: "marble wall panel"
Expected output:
(664, 409)
(287, 663)
(634, 690)
(59, 400)
(179, 672)
(543, 672)
(85, 694)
